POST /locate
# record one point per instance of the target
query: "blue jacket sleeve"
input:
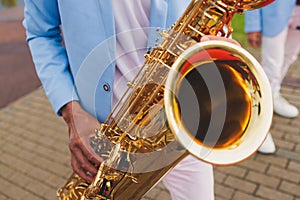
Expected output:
(42, 24)
(253, 21)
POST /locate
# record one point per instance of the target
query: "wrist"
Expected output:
(68, 110)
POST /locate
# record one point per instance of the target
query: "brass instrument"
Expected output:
(209, 99)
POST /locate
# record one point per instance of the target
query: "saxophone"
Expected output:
(209, 99)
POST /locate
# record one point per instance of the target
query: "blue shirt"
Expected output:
(86, 25)
(271, 19)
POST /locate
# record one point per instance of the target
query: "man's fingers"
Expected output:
(89, 152)
(85, 163)
(81, 165)
(82, 173)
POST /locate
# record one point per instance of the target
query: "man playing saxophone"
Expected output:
(125, 30)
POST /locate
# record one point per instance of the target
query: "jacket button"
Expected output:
(106, 87)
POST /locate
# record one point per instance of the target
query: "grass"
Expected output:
(238, 30)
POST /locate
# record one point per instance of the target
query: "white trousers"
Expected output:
(279, 52)
(191, 179)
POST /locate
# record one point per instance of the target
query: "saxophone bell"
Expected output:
(222, 88)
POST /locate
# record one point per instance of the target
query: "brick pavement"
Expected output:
(34, 158)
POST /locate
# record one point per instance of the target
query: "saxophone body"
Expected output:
(208, 99)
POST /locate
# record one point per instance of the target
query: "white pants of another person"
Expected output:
(191, 179)
(278, 53)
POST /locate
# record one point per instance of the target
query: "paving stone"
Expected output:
(284, 174)
(232, 170)
(290, 188)
(240, 184)
(272, 194)
(273, 160)
(263, 179)
(288, 154)
(294, 166)
(225, 192)
(244, 196)
(219, 177)
(254, 165)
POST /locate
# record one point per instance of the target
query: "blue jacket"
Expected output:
(85, 24)
(271, 19)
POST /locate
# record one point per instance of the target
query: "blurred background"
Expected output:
(11, 3)
(17, 75)
(34, 157)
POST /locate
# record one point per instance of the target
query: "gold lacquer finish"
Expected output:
(208, 99)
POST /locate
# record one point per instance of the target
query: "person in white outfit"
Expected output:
(276, 28)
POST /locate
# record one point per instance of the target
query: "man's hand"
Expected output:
(81, 126)
(254, 39)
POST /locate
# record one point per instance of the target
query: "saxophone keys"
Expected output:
(164, 34)
(130, 84)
